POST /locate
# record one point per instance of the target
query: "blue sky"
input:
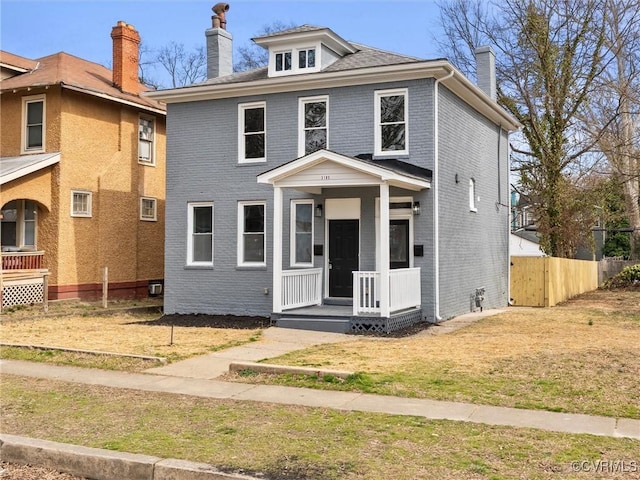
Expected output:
(82, 27)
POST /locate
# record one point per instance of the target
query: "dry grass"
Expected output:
(583, 356)
(122, 333)
(288, 442)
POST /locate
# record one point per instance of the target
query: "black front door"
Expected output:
(343, 256)
(399, 244)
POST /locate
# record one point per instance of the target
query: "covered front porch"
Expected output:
(334, 293)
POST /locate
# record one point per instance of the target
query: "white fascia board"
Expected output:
(459, 84)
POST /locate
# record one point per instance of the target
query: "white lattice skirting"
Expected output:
(23, 292)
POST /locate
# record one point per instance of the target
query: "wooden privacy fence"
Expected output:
(547, 281)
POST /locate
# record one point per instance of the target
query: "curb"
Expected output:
(101, 464)
(280, 369)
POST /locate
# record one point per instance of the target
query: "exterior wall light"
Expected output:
(319, 210)
(416, 208)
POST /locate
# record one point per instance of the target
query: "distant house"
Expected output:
(82, 172)
(339, 188)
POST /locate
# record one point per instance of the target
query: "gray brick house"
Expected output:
(340, 188)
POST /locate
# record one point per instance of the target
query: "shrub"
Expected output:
(628, 277)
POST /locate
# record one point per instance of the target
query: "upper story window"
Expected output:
(294, 60)
(80, 203)
(146, 135)
(252, 132)
(283, 61)
(391, 135)
(313, 124)
(33, 115)
(307, 58)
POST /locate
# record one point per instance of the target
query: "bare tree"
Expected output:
(613, 115)
(548, 60)
(253, 56)
(184, 67)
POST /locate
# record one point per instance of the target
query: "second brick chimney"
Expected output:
(126, 42)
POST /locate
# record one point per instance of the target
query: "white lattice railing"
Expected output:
(404, 291)
(24, 288)
(301, 288)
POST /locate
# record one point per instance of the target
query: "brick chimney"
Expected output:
(126, 42)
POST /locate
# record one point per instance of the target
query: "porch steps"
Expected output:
(318, 324)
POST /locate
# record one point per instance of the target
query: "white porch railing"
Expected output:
(404, 291)
(301, 288)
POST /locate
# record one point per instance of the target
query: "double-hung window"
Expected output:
(252, 132)
(146, 130)
(81, 203)
(200, 229)
(251, 234)
(314, 124)
(391, 135)
(148, 209)
(302, 233)
(33, 114)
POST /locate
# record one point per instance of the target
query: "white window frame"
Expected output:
(295, 64)
(152, 148)
(24, 137)
(88, 213)
(379, 94)
(301, 117)
(306, 68)
(473, 206)
(190, 234)
(293, 232)
(241, 233)
(284, 52)
(21, 222)
(154, 216)
(241, 133)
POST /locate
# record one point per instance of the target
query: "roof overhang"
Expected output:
(12, 168)
(310, 173)
(435, 69)
(328, 38)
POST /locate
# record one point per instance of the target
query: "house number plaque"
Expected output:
(325, 177)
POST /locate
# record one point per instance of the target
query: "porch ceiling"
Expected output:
(12, 168)
(327, 169)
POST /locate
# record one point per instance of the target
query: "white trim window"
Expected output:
(252, 236)
(307, 58)
(313, 122)
(19, 224)
(81, 203)
(301, 237)
(146, 140)
(200, 231)
(252, 132)
(148, 209)
(33, 121)
(283, 61)
(391, 114)
(294, 60)
(473, 206)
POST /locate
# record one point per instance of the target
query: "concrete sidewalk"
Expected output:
(347, 401)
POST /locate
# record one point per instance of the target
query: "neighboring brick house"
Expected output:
(339, 188)
(82, 171)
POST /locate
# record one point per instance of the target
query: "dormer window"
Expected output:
(294, 60)
(283, 61)
(307, 58)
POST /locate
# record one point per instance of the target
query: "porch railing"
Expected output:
(404, 291)
(22, 260)
(301, 288)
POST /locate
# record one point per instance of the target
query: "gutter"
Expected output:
(436, 202)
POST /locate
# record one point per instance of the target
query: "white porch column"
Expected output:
(384, 250)
(277, 250)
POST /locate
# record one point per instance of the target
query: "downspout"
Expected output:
(436, 202)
